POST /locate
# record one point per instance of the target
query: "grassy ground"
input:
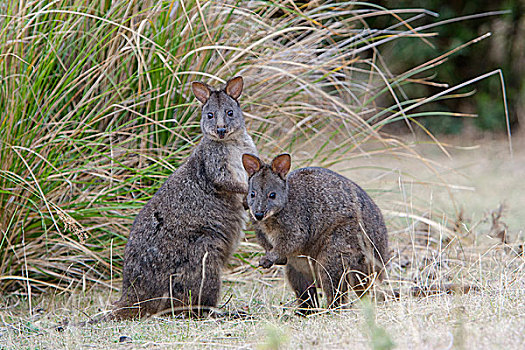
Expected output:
(491, 176)
(427, 252)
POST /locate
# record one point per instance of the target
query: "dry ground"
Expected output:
(491, 317)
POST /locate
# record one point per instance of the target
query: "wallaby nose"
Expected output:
(259, 215)
(221, 132)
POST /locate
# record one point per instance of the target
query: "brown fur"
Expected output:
(324, 225)
(185, 234)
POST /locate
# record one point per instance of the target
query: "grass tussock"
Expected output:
(98, 112)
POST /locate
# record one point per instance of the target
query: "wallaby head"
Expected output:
(221, 117)
(267, 192)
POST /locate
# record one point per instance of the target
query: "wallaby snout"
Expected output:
(259, 215)
(221, 132)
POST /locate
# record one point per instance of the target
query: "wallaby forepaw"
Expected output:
(265, 262)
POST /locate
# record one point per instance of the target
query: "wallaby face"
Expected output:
(221, 116)
(267, 191)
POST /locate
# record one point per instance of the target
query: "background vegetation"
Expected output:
(463, 21)
(97, 112)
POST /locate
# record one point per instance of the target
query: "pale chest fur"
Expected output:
(245, 145)
(235, 166)
(272, 230)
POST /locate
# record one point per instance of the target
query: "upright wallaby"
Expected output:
(317, 213)
(185, 234)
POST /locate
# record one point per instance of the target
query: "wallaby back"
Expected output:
(184, 235)
(320, 214)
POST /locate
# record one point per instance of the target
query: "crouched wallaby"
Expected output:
(320, 224)
(184, 235)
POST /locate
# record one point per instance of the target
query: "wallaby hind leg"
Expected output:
(209, 297)
(334, 286)
(335, 271)
(203, 290)
(361, 274)
(301, 278)
(359, 282)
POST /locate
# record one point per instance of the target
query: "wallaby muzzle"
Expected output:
(259, 215)
(221, 132)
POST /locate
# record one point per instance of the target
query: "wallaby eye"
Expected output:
(252, 194)
(230, 113)
(210, 115)
(272, 195)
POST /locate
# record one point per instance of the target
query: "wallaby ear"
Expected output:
(251, 163)
(281, 164)
(234, 87)
(201, 91)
